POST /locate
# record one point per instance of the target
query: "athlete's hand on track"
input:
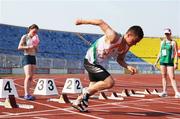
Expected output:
(133, 70)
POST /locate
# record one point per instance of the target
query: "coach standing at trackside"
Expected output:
(168, 62)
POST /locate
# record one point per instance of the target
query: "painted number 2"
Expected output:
(50, 85)
(70, 82)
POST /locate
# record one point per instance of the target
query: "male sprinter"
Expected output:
(111, 45)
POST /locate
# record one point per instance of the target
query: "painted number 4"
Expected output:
(7, 87)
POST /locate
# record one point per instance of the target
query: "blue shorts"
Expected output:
(28, 59)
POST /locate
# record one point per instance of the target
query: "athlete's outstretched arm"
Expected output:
(111, 35)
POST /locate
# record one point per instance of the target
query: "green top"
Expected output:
(167, 55)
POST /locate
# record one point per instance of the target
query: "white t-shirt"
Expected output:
(28, 42)
(100, 52)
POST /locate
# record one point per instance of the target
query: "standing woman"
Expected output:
(167, 55)
(29, 43)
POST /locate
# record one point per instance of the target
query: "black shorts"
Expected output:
(166, 64)
(28, 59)
(95, 72)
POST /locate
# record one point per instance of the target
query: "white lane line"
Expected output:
(43, 111)
(150, 109)
(99, 106)
(39, 118)
(36, 115)
(52, 110)
(136, 104)
(172, 118)
(144, 109)
(172, 108)
(73, 112)
(106, 108)
(7, 113)
(83, 114)
(101, 110)
(136, 114)
(151, 101)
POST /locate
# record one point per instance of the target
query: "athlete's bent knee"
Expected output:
(110, 84)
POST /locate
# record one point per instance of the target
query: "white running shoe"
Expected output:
(177, 95)
(77, 105)
(85, 97)
(163, 94)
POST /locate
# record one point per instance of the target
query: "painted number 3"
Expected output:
(70, 84)
(50, 85)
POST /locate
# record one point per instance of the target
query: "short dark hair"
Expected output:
(137, 30)
(32, 27)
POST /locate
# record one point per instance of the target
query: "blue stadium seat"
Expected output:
(53, 44)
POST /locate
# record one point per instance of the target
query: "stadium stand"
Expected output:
(54, 44)
(57, 49)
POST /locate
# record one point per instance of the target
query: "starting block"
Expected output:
(63, 99)
(147, 92)
(114, 96)
(7, 87)
(71, 86)
(98, 96)
(102, 96)
(10, 102)
(133, 94)
(124, 93)
(155, 92)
